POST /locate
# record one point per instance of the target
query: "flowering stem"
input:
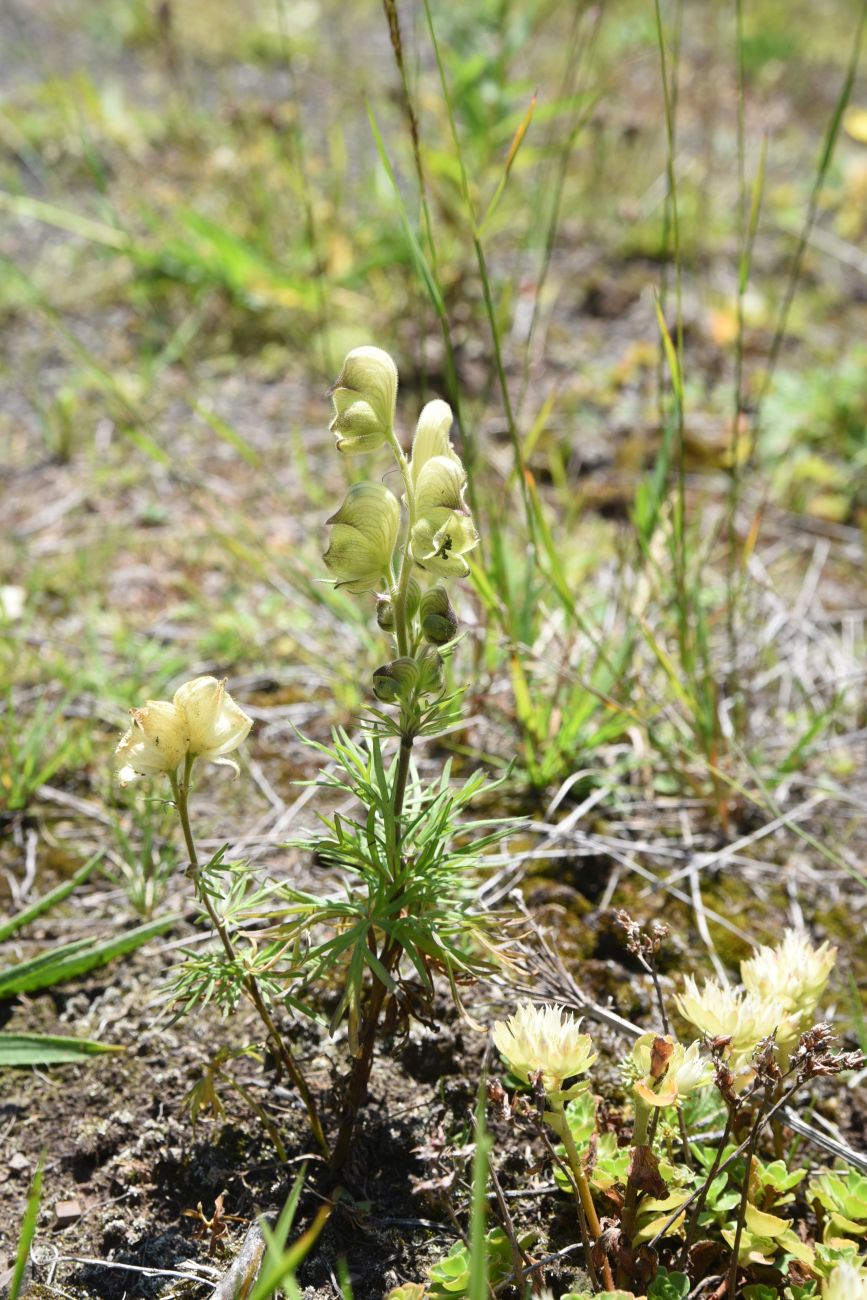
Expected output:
(392, 951)
(581, 1183)
(739, 1227)
(400, 620)
(180, 790)
(401, 626)
(640, 1138)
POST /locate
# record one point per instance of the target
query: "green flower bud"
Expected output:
(385, 606)
(385, 613)
(364, 533)
(364, 397)
(431, 671)
(441, 539)
(432, 436)
(438, 620)
(396, 681)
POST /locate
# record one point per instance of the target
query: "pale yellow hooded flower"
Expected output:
(202, 721)
(156, 743)
(364, 397)
(432, 437)
(363, 537)
(215, 724)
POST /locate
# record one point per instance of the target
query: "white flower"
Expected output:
(721, 1011)
(668, 1069)
(694, 1071)
(155, 744)
(793, 972)
(545, 1041)
(845, 1282)
(215, 723)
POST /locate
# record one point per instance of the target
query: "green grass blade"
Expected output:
(49, 900)
(28, 1231)
(421, 262)
(228, 434)
(478, 1289)
(517, 141)
(49, 1049)
(72, 959)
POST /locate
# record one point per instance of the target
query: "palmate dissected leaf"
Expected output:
(49, 1049)
(416, 886)
(71, 959)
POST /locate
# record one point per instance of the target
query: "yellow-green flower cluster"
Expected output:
(781, 989)
(201, 721)
(545, 1043)
(794, 973)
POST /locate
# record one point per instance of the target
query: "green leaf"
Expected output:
(72, 959)
(668, 1286)
(49, 1049)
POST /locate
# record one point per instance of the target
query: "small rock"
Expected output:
(18, 1163)
(66, 1212)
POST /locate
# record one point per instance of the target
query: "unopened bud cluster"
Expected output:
(378, 547)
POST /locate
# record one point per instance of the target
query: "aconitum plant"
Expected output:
(404, 911)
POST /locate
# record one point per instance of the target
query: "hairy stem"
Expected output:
(641, 1137)
(180, 790)
(360, 1075)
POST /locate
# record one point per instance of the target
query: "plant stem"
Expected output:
(739, 1227)
(363, 1063)
(563, 1131)
(705, 1188)
(640, 1138)
(180, 790)
(392, 951)
(258, 1111)
(702, 1191)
